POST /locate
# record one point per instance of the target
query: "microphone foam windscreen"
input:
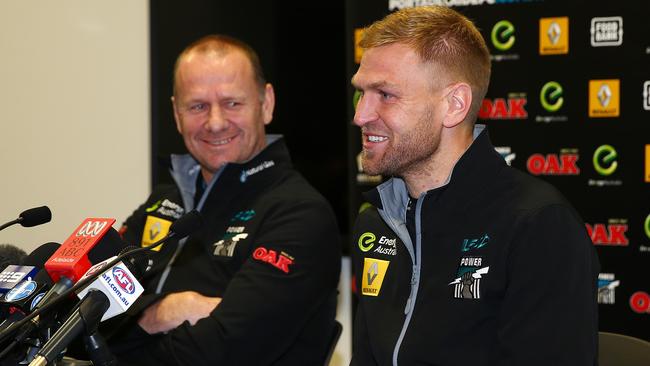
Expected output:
(187, 223)
(40, 255)
(35, 216)
(10, 254)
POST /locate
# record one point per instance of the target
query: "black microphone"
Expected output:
(187, 223)
(24, 296)
(85, 318)
(32, 217)
(109, 245)
(183, 226)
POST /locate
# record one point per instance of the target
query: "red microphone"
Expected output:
(71, 259)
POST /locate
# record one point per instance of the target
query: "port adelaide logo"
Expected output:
(607, 285)
(467, 284)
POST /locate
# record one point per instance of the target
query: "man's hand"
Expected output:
(172, 310)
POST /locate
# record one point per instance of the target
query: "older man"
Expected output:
(257, 284)
(461, 260)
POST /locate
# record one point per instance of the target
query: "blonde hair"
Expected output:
(440, 36)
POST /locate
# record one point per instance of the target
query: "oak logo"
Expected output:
(604, 96)
(281, 261)
(610, 234)
(553, 164)
(554, 36)
(501, 108)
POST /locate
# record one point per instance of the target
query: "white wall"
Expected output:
(74, 112)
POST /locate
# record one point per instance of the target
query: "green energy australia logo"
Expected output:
(503, 35)
(367, 241)
(605, 160)
(551, 96)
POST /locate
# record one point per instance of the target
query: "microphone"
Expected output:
(185, 224)
(109, 295)
(105, 243)
(28, 267)
(32, 217)
(180, 228)
(71, 260)
(85, 318)
(117, 282)
(25, 295)
(10, 254)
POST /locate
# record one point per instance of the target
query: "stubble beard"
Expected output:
(410, 154)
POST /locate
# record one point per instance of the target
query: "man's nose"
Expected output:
(365, 111)
(216, 120)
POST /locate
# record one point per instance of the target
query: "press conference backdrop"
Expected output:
(74, 111)
(569, 102)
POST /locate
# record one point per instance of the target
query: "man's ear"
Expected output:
(459, 100)
(268, 104)
(176, 116)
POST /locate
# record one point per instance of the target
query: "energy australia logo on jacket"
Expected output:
(385, 245)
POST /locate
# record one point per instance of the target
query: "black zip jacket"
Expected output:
(269, 247)
(502, 272)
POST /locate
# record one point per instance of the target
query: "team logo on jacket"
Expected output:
(374, 271)
(226, 246)
(166, 208)
(245, 215)
(607, 285)
(280, 261)
(467, 284)
(469, 244)
(155, 229)
(385, 245)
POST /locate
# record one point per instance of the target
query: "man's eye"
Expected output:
(232, 104)
(198, 107)
(385, 96)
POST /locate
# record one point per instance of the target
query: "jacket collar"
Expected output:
(254, 174)
(475, 167)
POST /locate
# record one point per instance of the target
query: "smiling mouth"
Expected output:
(218, 142)
(375, 138)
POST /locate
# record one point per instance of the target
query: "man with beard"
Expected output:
(492, 266)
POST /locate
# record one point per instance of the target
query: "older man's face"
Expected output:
(220, 110)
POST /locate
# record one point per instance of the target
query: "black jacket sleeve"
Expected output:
(550, 314)
(291, 274)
